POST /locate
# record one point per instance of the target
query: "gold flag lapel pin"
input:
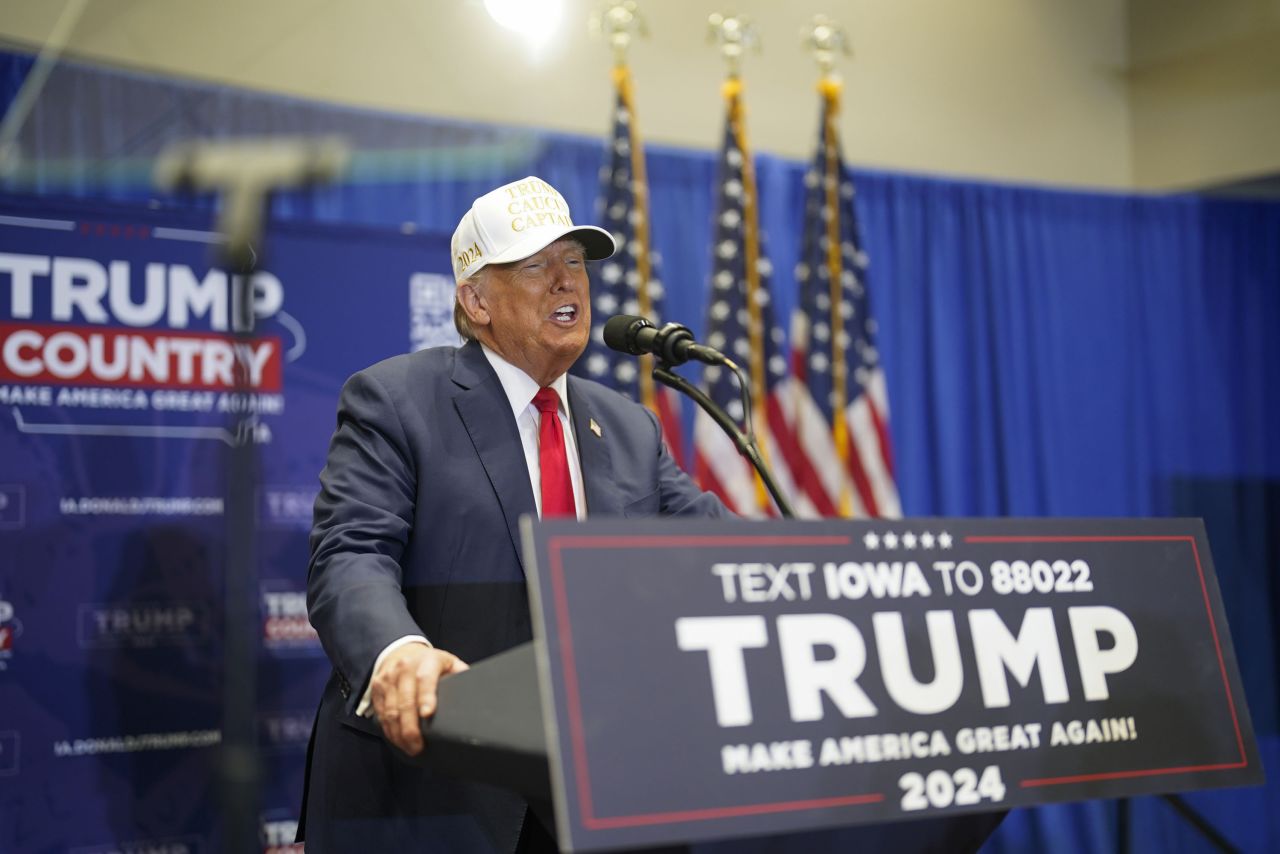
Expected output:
(595, 428)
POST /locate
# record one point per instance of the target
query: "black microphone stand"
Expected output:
(745, 442)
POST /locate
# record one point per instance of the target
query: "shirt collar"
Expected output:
(520, 387)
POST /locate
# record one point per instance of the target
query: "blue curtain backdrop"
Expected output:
(1048, 352)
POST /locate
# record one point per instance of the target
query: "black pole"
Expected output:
(1211, 834)
(240, 774)
(244, 173)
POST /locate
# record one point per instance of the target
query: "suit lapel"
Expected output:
(485, 412)
(603, 497)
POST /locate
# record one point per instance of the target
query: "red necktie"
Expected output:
(557, 488)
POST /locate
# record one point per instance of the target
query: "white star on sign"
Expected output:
(926, 540)
(871, 541)
(890, 540)
(909, 540)
(944, 540)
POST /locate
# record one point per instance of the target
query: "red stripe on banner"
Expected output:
(882, 434)
(798, 461)
(669, 418)
(731, 812)
(859, 476)
(569, 666)
(1217, 645)
(135, 358)
(1124, 775)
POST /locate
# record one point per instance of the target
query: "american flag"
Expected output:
(838, 405)
(740, 322)
(628, 283)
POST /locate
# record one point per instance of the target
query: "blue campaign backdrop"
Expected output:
(1047, 352)
(113, 524)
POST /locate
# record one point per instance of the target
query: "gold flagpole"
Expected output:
(824, 39)
(734, 35)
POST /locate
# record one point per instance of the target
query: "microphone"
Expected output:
(672, 344)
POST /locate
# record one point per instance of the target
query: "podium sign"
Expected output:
(711, 679)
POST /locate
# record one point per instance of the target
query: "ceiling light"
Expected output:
(535, 20)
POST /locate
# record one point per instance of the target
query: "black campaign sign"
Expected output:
(727, 678)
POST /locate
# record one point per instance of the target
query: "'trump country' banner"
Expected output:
(716, 679)
(119, 372)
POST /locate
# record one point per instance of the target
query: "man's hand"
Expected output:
(403, 690)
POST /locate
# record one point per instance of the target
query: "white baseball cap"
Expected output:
(518, 220)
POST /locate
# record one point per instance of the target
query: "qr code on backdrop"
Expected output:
(431, 311)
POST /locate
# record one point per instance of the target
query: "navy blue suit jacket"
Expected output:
(416, 532)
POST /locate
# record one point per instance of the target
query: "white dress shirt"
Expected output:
(520, 389)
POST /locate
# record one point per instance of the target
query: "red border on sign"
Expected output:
(578, 746)
(1217, 645)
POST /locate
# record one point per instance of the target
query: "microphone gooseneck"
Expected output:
(673, 345)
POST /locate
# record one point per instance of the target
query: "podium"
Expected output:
(489, 726)
(699, 680)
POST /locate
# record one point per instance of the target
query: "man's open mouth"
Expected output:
(565, 314)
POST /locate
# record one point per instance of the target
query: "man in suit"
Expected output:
(416, 565)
